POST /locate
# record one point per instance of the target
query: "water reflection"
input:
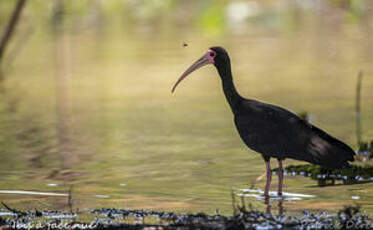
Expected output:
(273, 198)
(62, 68)
(280, 207)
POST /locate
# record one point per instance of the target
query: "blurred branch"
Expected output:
(19, 44)
(62, 79)
(357, 108)
(58, 15)
(14, 210)
(11, 26)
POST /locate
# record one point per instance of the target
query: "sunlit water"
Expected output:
(91, 110)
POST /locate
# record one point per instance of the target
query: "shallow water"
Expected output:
(90, 108)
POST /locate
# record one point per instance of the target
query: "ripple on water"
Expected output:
(32, 193)
(258, 194)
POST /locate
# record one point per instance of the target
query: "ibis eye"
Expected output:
(212, 54)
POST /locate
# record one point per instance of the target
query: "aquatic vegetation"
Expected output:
(324, 176)
(304, 115)
(365, 150)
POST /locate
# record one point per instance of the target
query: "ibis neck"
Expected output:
(230, 92)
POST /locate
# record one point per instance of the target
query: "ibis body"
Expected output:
(272, 131)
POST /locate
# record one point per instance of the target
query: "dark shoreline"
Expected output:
(348, 218)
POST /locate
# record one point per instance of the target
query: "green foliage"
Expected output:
(355, 11)
(212, 19)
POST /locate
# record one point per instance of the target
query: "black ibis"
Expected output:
(271, 130)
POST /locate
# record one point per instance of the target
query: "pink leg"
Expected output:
(269, 177)
(280, 177)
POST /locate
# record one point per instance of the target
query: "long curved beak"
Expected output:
(204, 60)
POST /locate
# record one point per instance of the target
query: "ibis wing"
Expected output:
(276, 132)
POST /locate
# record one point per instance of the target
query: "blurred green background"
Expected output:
(85, 98)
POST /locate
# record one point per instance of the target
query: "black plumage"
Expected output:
(274, 131)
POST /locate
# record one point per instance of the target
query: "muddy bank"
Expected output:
(347, 218)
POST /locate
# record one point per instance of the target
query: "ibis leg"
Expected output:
(268, 205)
(280, 177)
(269, 178)
(280, 207)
